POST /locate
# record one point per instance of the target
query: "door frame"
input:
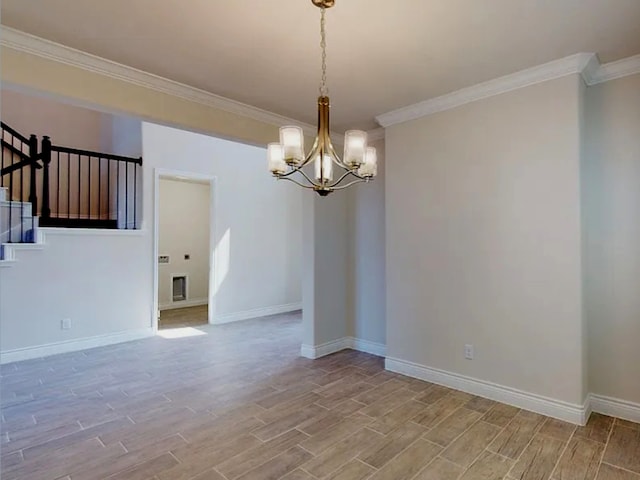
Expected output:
(165, 173)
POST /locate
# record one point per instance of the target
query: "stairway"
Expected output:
(18, 228)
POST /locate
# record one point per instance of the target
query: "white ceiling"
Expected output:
(382, 54)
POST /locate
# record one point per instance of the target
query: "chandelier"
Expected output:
(287, 160)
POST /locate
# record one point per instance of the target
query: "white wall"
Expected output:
(258, 221)
(330, 271)
(183, 229)
(101, 281)
(483, 240)
(612, 237)
(104, 282)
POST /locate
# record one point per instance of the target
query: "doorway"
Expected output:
(183, 253)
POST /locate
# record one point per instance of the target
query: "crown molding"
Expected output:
(31, 44)
(612, 70)
(541, 73)
(590, 70)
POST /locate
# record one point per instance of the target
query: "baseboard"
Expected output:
(374, 348)
(317, 351)
(196, 302)
(615, 407)
(568, 412)
(46, 350)
(256, 313)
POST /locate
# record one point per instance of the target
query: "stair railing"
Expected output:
(101, 189)
(18, 152)
(79, 188)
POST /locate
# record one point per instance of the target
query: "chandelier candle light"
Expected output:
(287, 158)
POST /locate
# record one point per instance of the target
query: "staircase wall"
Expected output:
(98, 279)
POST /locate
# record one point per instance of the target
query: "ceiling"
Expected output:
(382, 54)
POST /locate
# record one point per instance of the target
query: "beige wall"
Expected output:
(483, 240)
(117, 96)
(611, 199)
(67, 125)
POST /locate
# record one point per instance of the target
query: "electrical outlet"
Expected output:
(66, 323)
(468, 352)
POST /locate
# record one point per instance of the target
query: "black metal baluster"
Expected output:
(99, 188)
(68, 185)
(33, 193)
(21, 205)
(79, 185)
(126, 196)
(11, 198)
(135, 194)
(58, 184)
(89, 187)
(118, 191)
(46, 160)
(108, 189)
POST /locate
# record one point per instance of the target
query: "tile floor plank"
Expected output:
(239, 402)
(580, 460)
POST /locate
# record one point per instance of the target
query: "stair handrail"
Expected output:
(14, 133)
(90, 153)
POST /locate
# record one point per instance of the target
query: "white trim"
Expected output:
(615, 407)
(366, 346)
(39, 351)
(530, 76)
(618, 69)
(93, 232)
(196, 302)
(586, 64)
(550, 407)
(31, 44)
(256, 313)
(9, 250)
(590, 70)
(344, 343)
(317, 351)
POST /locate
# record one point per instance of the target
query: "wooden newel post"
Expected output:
(46, 160)
(33, 155)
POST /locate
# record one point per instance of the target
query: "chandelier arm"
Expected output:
(342, 187)
(301, 172)
(289, 173)
(312, 154)
(311, 187)
(336, 158)
(337, 182)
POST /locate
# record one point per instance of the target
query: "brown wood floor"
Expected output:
(237, 402)
(184, 317)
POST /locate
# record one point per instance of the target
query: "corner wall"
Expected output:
(612, 237)
(483, 241)
(367, 256)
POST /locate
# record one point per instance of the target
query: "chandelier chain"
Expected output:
(324, 91)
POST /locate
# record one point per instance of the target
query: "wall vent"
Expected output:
(179, 288)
